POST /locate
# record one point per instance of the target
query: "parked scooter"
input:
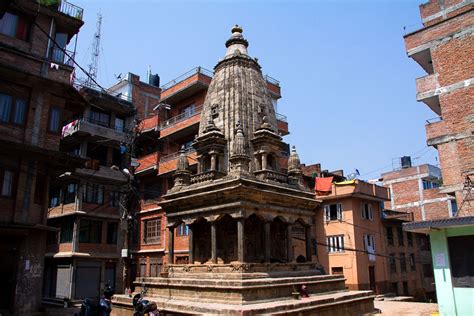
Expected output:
(103, 307)
(143, 307)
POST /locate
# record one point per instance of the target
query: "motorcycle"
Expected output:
(103, 307)
(142, 306)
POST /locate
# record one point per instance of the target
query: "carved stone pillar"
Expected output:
(240, 240)
(308, 242)
(213, 161)
(171, 245)
(213, 243)
(191, 245)
(268, 243)
(264, 161)
(289, 243)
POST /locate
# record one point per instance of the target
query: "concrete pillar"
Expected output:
(308, 242)
(191, 245)
(171, 245)
(268, 243)
(289, 243)
(240, 240)
(264, 161)
(75, 234)
(213, 243)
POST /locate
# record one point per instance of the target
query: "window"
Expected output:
(424, 242)
(112, 229)
(333, 212)
(90, 232)
(70, 193)
(12, 109)
(403, 263)
(369, 243)
(114, 198)
(395, 288)
(430, 185)
(389, 236)
(454, 208)
(393, 263)
(54, 119)
(405, 288)
(189, 110)
(400, 236)
(410, 239)
(54, 196)
(412, 262)
(337, 271)
(462, 269)
(57, 53)
(94, 194)
(183, 230)
(427, 270)
(152, 191)
(155, 267)
(99, 117)
(366, 209)
(67, 227)
(153, 231)
(15, 26)
(40, 188)
(142, 264)
(119, 124)
(335, 243)
(7, 177)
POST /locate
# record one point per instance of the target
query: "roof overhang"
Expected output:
(426, 227)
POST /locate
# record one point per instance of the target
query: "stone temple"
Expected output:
(240, 208)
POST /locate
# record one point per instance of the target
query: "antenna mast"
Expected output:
(93, 66)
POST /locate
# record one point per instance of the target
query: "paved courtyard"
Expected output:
(406, 308)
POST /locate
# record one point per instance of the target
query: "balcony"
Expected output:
(273, 86)
(149, 124)
(427, 91)
(71, 10)
(148, 163)
(168, 163)
(186, 85)
(436, 131)
(181, 122)
(87, 127)
(282, 124)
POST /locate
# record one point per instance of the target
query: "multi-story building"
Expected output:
(90, 205)
(355, 236)
(444, 47)
(36, 96)
(161, 136)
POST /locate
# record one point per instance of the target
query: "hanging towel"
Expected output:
(323, 184)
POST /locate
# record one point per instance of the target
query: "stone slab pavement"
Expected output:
(392, 308)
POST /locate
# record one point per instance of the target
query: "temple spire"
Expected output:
(236, 44)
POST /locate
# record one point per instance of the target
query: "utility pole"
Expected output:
(94, 65)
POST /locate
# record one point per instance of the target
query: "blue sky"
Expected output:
(348, 87)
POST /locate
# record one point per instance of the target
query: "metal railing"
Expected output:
(176, 154)
(181, 117)
(58, 56)
(272, 80)
(434, 120)
(186, 75)
(281, 117)
(71, 10)
(83, 83)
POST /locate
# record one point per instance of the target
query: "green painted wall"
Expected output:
(451, 301)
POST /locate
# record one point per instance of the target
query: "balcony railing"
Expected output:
(181, 117)
(176, 155)
(272, 80)
(264, 175)
(80, 83)
(186, 75)
(281, 117)
(71, 10)
(206, 176)
(58, 55)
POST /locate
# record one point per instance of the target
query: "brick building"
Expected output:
(35, 98)
(355, 235)
(90, 205)
(444, 48)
